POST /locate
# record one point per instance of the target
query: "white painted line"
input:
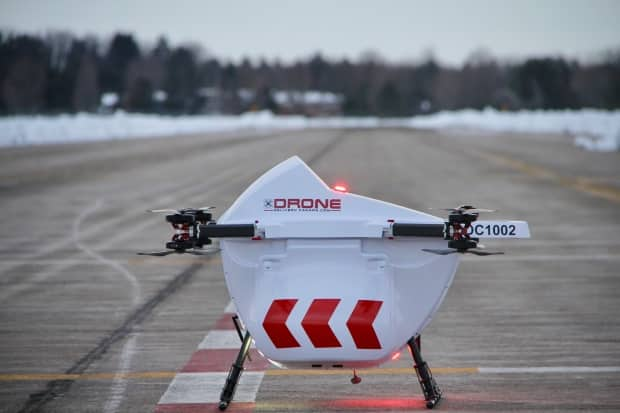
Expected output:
(230, 308)
(206, 388)
(548, 257)
(221, 339)
(136, 290)
(540, 370)
(117, 392)
(119, 385)
(9, 291)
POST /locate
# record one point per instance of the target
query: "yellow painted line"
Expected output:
(88, 376)
(580, 184)
(369, 372)
(275, 372)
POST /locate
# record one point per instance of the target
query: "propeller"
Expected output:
(465, 209)
(485, 253)
(192, 252)
(176, 211)
(158, 253)
(205, 252)
(453, 251)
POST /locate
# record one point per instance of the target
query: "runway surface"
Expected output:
(88, 326)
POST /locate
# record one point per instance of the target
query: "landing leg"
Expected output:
(234, 374)
(432, 393)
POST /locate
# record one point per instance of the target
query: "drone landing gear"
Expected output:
(432, 393)
(234, 374)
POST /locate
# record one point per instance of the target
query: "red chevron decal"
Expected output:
(360, 324)
(275, 323)
(316, 323)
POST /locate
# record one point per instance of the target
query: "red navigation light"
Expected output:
(396, 356)
(341, 188)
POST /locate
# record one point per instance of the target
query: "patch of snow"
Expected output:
(109, 99)
(160, 96)
(593, 130)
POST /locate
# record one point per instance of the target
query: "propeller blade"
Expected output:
(163, 210)
(440, 252)
(206, 252)
(207, 208)
(484, 253)
(477, 210)
(465, 209)
(157, 253)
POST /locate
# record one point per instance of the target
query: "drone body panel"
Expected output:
(324, 287)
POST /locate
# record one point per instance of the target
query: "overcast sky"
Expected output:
(398, 30)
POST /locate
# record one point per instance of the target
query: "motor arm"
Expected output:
(462, 231)
(419, 230)
(214, 230)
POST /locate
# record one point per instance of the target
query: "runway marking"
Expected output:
(131, 278)
(546, 258)
(221, 339)
(198, 386)
(53, 388)
(580, 184)
(206, 387)
(230, 308)
(119, 385)
(369, 372)
(546, 370)
(220, 180)
(221, 360)
(87, 376)
(396, 371)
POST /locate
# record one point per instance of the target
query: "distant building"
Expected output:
(309, 102)
(287, 102)
(217, 101)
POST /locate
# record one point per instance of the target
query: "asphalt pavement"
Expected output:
(86, 325)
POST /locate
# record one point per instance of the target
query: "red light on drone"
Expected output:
(341, 188)
(396, 356)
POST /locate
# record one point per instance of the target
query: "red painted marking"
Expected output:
(211, 360)
(225, 322)
(316, 323)
(375, 404)
(202, 407)
(360, 324)
(275, 323)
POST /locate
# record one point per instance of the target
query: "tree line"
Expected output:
(60, 73)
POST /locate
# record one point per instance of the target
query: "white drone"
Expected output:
(325, 279)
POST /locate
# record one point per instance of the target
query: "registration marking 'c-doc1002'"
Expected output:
(498, 229)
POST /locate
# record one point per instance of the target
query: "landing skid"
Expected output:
(432, 393)
(228, 392)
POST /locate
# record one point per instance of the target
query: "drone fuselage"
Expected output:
(325, 287)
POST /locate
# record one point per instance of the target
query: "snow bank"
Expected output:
(592, 129)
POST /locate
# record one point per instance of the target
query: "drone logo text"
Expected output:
(302, 204)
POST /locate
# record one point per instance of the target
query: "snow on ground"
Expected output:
(594, 130)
